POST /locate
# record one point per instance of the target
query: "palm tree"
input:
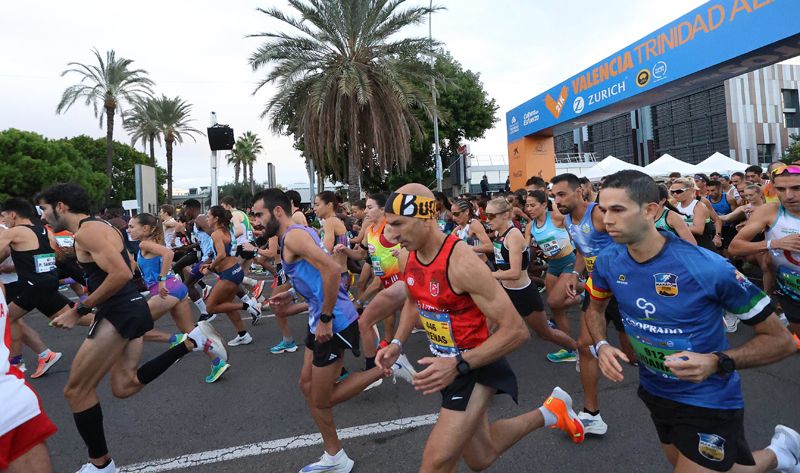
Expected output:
(140, 122)
(346, 84)
(247, 148)
(172, 119)
(105, 86)
(236, 162)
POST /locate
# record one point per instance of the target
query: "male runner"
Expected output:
(671, 294)
(114, 342)
(723, 204)
(455, 294)
(332, 323)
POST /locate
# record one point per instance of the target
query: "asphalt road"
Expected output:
(258, 401)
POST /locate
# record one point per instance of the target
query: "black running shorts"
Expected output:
(497, 375)
(712, 438)
(612, 312)
(44, 297)
(526, 300)
(128, 313)
(326, 354)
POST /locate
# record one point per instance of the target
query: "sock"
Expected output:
(288, 339)
(336, 457)
(15, 360)
(549, 417)
(107, 462)
(245, 298)
(247, 281)
(245, 306)
(90, 426)
(201, 305)
(45, 353)
(785, 459)
(594, 413)
(242, 333)
(202, 284)
(158, 365)
(370, 362)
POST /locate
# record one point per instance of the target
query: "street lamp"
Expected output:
(435, 113)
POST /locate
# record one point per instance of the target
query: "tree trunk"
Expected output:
(244, 173)
(169, 168)
(236, 170)
(152, 150)
(252, 180)
(353, 178)
(109, 149)
(320, 184)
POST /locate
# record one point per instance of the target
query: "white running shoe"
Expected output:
(786, 443)
(245, 339)
(341, 463)
(207, 292)
(209, 340)
(375, 384)
(89, 468)
(592, 424)
(404, 369)
(417, 330)
(731, 322)
(254, 310)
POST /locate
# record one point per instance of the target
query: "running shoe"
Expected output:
(342, 376)
(560, 404)
(209, 340)
(89, 468)
(796, 340)
(404, 369)
(593, 424)
(207, 317)
(20, 366)
(46, 363)
(731, 322)
(207, 292)
(259, 289)
(274, 283)
(245, 339)
(374, 384)
(177, 339)
(217, 371)
(417, 330)
(786, 443)
(563, 356)
(254, 309)
(341, 463)
(283, 347)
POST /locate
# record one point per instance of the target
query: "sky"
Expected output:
(198, 50)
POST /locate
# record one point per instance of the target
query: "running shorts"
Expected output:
(728, 232)
(328, 353)
(562, 265)
(188, 259)
(176, 288)
(128, 313)
(387, 281)
(244, 254)
(791, 307)
(712, 438)
(612, 312)
(29, 296)
(23, 438)
(497, 374)
(526, 300)
(233, 274)
(195, 273)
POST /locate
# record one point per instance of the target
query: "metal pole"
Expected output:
(310, 168)
(214, 190)
(435, 114)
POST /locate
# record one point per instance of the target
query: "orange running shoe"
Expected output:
(46, 363)
(560, 404)
(797, 340)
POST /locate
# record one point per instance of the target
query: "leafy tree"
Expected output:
(246, 150)
(123, 181)
(29, 163)
(141, 124)
(346, 84)
(792, 152)
(105, 86)
(172, 120)
(234, 160)
(242, 192)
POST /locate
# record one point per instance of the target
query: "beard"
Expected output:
(56, 223)
(271, 228)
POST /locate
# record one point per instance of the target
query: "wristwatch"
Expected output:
(462, 366)
(725, 365)
(325, 318)
(163, 278)
(83, 309)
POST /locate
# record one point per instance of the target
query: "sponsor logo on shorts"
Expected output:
(666, 284)
(711, 446)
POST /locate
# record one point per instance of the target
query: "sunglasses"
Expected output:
(492, 216)
(456, 214)
(786, 169)
(677, 191)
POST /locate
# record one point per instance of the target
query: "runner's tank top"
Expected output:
(552, 240)
(588, 239)
(786, 262)
(381, 253)
(247, 230)
(95, 275)
(150, 268)
(452, 321)
(706, 239)
(36, 266)
(662, 223)
(463, 234)
(722, 208)
(502, 258)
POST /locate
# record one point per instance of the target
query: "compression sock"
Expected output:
(90, 427)
(202, 284)
(158, 365)
(242, 333)
(592, 413)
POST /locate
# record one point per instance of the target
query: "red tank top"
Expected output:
(452, 321)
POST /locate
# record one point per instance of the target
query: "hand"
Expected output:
(324, 332)
(690, 366)
(66, 320)
(789, 242)
(572, 283)
(282, 298)
(162, 289)
(249, 247)
(338, 249)
(607, 357)
(441, 371)
(386, 358)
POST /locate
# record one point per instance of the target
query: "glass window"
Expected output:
(790, 120)
(766, 152)
(790, 99)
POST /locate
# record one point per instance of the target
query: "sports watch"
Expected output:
(725, 365)
(462, 365)
(83, 309)
(325, 318)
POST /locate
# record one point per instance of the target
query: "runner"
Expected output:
(455, 295)
(243, 233)
(548, 233)
(332, 323)
(165, 214)
(198, 232)
(470, 229)
(24, 426)
(695, 214)
(672, 294)
(333, 233)
(114, 341)
(723, 204)
(443, 216)
(670, 219)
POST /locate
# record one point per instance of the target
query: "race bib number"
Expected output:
(376, 267)
(589, 261)
(789, 281)
(44, 263)
(440, 332)
(550, 247)
(498, 253)
(65, 241)
(652, 352)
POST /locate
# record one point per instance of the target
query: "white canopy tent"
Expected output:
(720, 163)
(610, 165)
(667, 164)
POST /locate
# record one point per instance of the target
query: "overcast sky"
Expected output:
(197, 49)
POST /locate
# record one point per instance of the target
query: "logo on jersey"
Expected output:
(666, 284)
(410, 280)
(744, 283)
(434, 287)
(647, 307)
(585, 228)
(711, 446)
(622, 280)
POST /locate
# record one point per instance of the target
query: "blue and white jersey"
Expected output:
(589, 240)
(675, 302)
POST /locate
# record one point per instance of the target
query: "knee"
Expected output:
(75, 392)
(440, 461)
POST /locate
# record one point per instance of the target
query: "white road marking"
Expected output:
(274, 446)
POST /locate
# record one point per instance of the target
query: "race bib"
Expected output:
(442, 224)
(789, 281)
(376, 267)
(440, 332)
(550, 247)
(65, 241)
(44, 263)
(651, 352)
(498, 253)
(589, 261)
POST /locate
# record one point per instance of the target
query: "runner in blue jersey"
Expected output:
(723, 204)
(671, 295)
(332, 322)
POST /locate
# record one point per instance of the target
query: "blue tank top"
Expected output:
(549, 238)
(307, 281)
(722, 207)
(228, 246)
(588, 239)
(150, 268)
(206, 244)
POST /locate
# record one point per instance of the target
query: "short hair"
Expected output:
(640, 187)
(754, 169)
(228, 200)
(584, 180)
(192, 203)
(569, 178)
(168, 209)
(714, 174)
(714, 183)
(674, 175)
(21, 207)
(273, 198)
(294, 197)
(535, 181)
(72, 195)
(379, 199)
(701, 177)
(540, 196)
(362, 203)
(738, 174)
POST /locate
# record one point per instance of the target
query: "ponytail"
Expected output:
(156, 227)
